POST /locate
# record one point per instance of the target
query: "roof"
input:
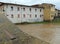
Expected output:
(48, 4)
(42, 5)
(56, 9)
(37, 5)
(20, 5)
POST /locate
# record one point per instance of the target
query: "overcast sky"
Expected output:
(31, 2)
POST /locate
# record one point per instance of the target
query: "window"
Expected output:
(52, 15)
(3, 10)
(24, 9)
(24, 15)
(6, 6)
(12, 8)
(30, 15)
(30, 9)
(35, 9)
(40, 10)
(18, 8)
(12, 16)
(18, 16)
(35, 15)
(7, 15)
(41, 15)
(55, 14)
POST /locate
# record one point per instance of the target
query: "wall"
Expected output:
(49, 12)
(52, 14)
(21, 13)
(46, 13)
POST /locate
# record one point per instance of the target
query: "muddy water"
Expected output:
(46, 32)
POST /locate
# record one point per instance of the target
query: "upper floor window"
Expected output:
(18, 8)
(30, 9)
(40, 10)
(11, 8)
(35, 9)
(35, 15)
(24, 9)
(52, 15)
(41, 15)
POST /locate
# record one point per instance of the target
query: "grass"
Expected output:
(55, 21)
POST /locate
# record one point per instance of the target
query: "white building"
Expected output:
(22, 13)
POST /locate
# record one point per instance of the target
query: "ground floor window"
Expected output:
(30, 15)
(24, 15)
(11, 15)
(35, 15)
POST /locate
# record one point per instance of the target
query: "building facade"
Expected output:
(22, 13)
(49, 11)
(57, 13)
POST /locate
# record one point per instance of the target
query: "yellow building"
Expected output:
(49, 11)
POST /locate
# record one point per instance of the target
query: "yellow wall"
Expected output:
(49, 12)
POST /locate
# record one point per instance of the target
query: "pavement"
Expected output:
(11, 34)
(46, 32)
(29, 33)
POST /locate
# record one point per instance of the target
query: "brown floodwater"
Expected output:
(46, 32)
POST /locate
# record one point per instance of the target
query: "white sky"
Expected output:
(31, 2)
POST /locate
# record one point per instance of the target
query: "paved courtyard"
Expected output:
(10, 34)
(46, 32)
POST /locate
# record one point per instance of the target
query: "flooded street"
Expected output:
(45, 32)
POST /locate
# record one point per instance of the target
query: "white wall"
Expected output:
(27, 13)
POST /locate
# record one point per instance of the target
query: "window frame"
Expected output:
(18, 8)
(30, 9)
(11, 8)
(24, 15)
(35, 9)
(40, 10)
(23, 9)
(35, 15)
(18, 15)
(12, 16)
